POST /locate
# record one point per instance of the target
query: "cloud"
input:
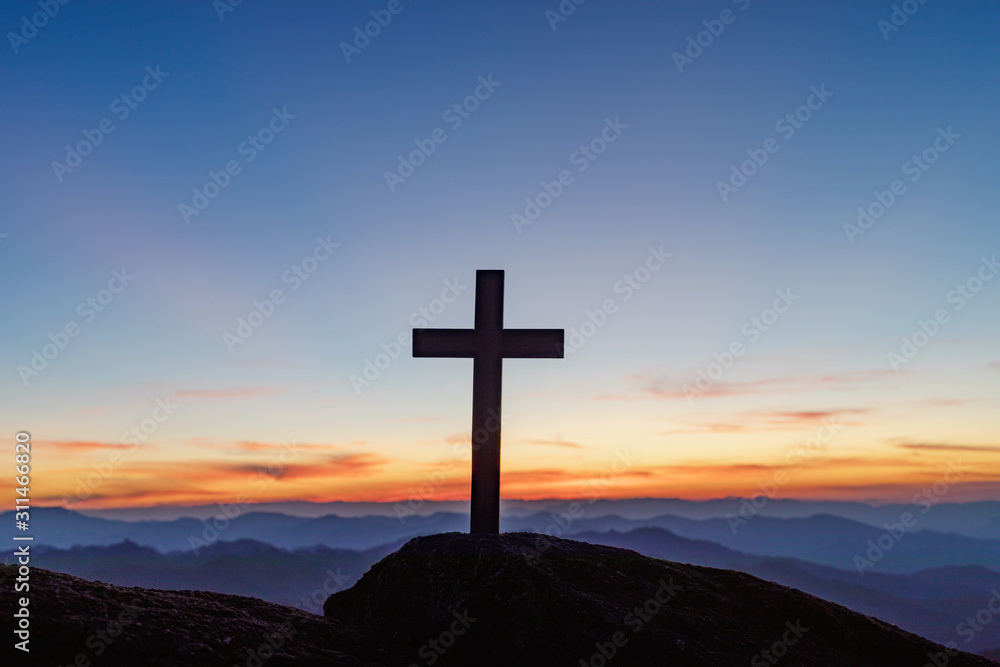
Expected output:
(235, 392)
(331, 465)
(806, 415)
(561, 476)
(944, 447)
(667, 386)
(761, 420)
(82, 445)
(209, 478)
(558, 442)
(739, 473)
(944, 402)
(263, 363)
(256, 446)
(336, 465)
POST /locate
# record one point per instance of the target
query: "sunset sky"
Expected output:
(902, 123)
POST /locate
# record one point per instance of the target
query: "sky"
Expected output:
(769, 230)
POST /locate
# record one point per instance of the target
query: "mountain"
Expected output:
(301, 577)
(837, 542)
(823, 539)
(973, 519)
(63, 528)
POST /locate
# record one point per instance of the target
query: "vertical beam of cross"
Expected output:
(488, 344)
(487, 377)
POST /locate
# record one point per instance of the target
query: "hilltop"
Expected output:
(459, 599)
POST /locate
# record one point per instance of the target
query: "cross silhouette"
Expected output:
(488, 345)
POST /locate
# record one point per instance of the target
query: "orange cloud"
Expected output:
(80, 446)
(948, 448)
(665, 386)
(558, 442)
(762, 421)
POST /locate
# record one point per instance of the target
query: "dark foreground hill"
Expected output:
(457, 599)
(83, 623)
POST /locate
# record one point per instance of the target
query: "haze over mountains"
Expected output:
(821, 538)
(973, 519)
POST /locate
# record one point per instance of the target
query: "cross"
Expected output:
(488, 345)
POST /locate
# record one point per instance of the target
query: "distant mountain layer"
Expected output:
(842, 543)
(822, 539)
(65, 528)
(973, 519)
(301, 578)
(485, 600)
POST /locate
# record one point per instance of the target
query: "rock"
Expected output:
(561, 602)
(79, 622)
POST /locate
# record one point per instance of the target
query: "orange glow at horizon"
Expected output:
(316, 476)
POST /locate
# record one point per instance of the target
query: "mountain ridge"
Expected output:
(825, 539)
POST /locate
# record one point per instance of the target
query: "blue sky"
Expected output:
(323, 176)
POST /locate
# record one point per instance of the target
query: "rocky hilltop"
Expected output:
(459, 599)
